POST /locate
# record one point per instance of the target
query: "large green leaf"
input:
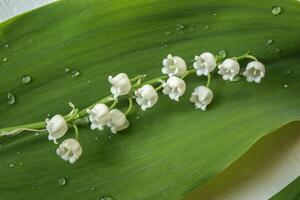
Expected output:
(291, 192)
(169, 149)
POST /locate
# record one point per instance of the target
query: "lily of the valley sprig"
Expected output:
(104, 114)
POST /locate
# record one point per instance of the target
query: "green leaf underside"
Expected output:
(291, 192)
(168, 150)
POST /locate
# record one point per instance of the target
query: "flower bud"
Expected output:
(202, 96)
(56, 127)
(174, 66)
(146, 96)
(174, 87)
(121, 85)
(69, 150)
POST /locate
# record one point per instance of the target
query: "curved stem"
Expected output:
(208, 80)
(114, 104)
(76, 132)
(245, 56)
(129, 106)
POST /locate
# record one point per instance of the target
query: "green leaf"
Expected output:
(170, 149)
(291, 192)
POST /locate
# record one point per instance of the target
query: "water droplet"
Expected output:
(269, 41)
(36, 133)
(191, 29)
(236, 78)
(288, 72)
(179, 27)
(222, 53)
(21, 163)
(11, 165)
(96, 138)
(26, 79)
(276, 10)
(214, 14)
(93, 188)
(4, 59)
(138, 117)
(67, 70)
(18, 152)
(75, 73)
(106, 198)
(285, 85)
(276, 51)
(164, 46)
(207, 27)
(11, 99)
(6, 46)
(62, 181)
(168, 32)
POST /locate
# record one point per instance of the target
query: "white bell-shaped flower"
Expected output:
(201, 97)
(255, 71)
(69, 150)
(228, 69)
(174, 87)
(204, 64)
(56, 127)
(174, 66)
(121, 85)
(98, 116)
(118, 121)
(146, 96)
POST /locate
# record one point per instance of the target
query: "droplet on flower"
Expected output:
(11, 99)
(269, 41)
(106, 198)
(276, 10)
(75, 74)
(222, 53)
(62, 181)
(26, 79)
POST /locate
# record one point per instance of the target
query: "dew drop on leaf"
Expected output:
(222, 53)
(168, 33)
(207, 27)
(269, 41)
(67, 70)
(288, 72)
(285, 85)
(6, 46)
(11, 99)
(62, 181)
(75, 74)
(4, 59)
(106, 198)
(21, 163)
(276, 10)
(26, 79)
(11, 165)
(93, 188)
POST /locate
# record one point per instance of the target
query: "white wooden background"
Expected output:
(268, 180)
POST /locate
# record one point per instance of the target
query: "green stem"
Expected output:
(113, 105)
(208, 80)
(245, 56)
(76, 132)
(129, 106)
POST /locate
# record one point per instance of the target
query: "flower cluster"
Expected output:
(172, 84)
